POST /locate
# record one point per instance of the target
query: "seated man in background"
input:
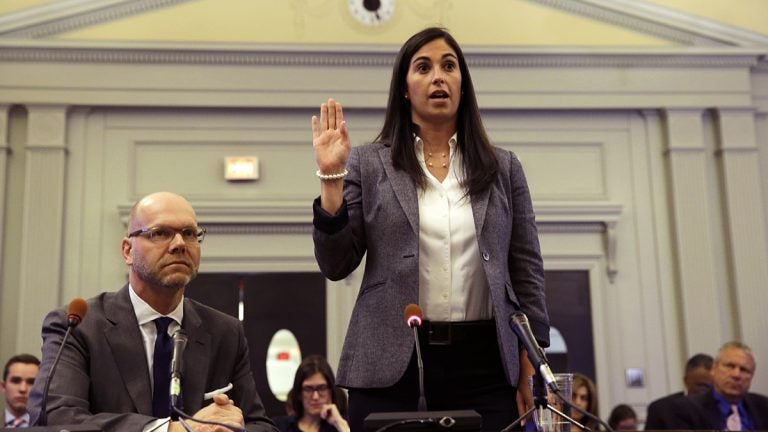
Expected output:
(18, 377)
(697, 379)
(728, 405)
(115, 368)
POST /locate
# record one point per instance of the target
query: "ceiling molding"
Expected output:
(69, 15)
(367, 55)
(660, 22)
(65, 16)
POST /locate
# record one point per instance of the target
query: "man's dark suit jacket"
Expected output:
(659, 411)
(701, 412)
(103, 377)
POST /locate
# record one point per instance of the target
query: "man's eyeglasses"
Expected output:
(309, 390)
(161, 234)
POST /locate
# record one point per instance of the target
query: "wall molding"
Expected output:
(659, 21)
(374, 56)
(65, 16)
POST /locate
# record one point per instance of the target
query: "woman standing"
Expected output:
(445, 220)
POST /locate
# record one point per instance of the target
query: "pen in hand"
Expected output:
(211, 394)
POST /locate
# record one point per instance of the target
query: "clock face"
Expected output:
(371, 12)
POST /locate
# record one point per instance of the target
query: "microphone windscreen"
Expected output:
(76, 311)
(413, 315)
(180, 336)
(519, 318)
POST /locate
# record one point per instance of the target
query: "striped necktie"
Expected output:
(733, 423)
(16, 423)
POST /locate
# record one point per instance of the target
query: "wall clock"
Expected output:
(371, 13)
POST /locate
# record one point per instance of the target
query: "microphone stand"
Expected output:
(540, 403)
(43, 418)
(584, 412)
(422, 399)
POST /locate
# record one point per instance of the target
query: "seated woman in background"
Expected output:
(584, 397)
(623, 417)
(316, 403)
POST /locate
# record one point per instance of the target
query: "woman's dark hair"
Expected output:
(619, 413)
(479, 160)
(309, 366)
(579, 381)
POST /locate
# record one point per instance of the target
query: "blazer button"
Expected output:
(486, 256)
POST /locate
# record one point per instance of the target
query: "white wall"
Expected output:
(645, 170)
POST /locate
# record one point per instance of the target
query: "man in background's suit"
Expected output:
(697, 379)
(729, 405)
(108, 369)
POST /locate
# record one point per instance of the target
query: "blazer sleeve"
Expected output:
(526, 268)
(340, 239)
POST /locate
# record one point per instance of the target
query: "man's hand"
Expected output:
(222, 410)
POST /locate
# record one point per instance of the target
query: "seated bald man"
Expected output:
(115, 367)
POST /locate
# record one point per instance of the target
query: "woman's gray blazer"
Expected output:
(380, 217)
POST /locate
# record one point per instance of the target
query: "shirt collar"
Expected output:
(419, 143)
(145, 313)
(9, 418)
(724, 406)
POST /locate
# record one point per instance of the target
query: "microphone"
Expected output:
(75, 313)
(519, 323)
(413, 316)
(179, 343)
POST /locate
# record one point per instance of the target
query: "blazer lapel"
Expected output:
(479, 207)
(196, 359)
(404, 189)
(123, 337)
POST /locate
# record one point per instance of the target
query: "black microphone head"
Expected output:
(413, 315)
(519, 318)
(76, 311)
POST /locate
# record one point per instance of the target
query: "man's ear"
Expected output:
(126, 247)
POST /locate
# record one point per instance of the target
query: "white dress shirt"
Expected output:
(452, 281)
(10, 419)
(146, 316)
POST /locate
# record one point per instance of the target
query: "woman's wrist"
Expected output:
(342, 425)
(336, 175)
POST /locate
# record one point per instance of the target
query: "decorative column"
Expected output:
(744, 227)
(7, 308)
(692, 228)
(43, 221)
(4, 150)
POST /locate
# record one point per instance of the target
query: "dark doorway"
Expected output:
(570, 312)
(271, 301)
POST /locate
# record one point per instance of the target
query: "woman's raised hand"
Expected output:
(330, 138)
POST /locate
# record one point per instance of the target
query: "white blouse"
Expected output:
(452, 282)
